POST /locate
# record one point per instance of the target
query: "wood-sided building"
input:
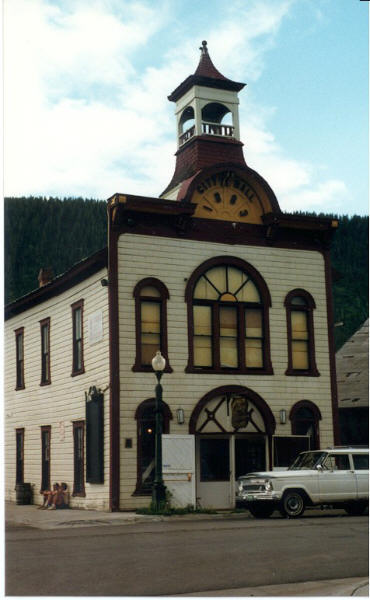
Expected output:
(235, 293)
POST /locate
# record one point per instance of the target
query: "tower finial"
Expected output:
(203, 47)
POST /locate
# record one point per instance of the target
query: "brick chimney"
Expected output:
(45, 276)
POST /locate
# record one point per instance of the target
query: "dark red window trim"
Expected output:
(266, 303)
(167, 416)
(162, 301)
(79, 305)
(19, 473)
(81, 467)
(294, 418)
(45, 366)
(309, 307)
(19, 375)
(47, 486)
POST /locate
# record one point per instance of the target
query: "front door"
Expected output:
(213, 472)
(337, 481)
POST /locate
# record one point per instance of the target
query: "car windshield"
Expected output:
(307, 460)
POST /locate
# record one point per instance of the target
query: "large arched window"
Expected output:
(151, 323)
(145, 417)
(228, 304)
(301, 343)
(305, 417)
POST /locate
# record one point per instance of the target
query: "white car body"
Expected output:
(338, 476)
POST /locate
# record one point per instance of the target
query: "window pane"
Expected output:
(217, 276)
(337, 462)
(150, 317)
(299, 325)
(202, 320)
(361, 461)
(214, 460)
(248, 293)
(253, 323)
(228, 337)
(205, 291)
(202, 351)
(253, 353)
(298, 301)
(300, 355)
(150, 291)
(20, 346)
(78, 332)
(150, 343)
(236, 279)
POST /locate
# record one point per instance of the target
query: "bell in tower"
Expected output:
(207, 120)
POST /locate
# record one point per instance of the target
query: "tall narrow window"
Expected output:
(151, 322)
(228, 326)
(78, 458)
(19, 356)
(45, 351)
(19, 440)
(301, 348)
(145, 416)
(77, 333)
(45, 457)
(305, 417)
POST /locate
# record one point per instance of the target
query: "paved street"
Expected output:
(179, 557)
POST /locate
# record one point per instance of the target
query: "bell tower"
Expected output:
(207, 121)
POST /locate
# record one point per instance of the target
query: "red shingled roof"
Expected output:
(206, 75)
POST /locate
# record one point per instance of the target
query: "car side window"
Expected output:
(337, 462)
(361, 462)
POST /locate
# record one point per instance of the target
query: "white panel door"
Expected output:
(178, 465)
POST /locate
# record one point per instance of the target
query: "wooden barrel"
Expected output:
(23, 493)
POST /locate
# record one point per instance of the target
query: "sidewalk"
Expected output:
(30, 516)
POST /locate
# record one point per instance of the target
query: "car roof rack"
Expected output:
(356, 446)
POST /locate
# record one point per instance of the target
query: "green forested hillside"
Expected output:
(41, 232)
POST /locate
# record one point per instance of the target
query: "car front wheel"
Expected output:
(292, 504)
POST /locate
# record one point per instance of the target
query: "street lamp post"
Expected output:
(159, 490)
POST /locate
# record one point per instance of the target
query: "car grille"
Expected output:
(253, 488)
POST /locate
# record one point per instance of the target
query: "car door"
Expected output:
(361, 469)
(337, 481)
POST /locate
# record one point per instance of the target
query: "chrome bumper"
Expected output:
(246, 496)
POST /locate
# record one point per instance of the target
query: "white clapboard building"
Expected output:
(235, 293)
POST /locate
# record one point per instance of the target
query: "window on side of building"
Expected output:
(151, 297)
(299, 306)
(19, 442)
(45, 351)
(228, 324)
(45, 457)
(78, 458)
(77, 338)
(145, 418)
(19, 357)
(305, 419)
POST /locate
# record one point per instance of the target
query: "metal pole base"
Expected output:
(158, 495)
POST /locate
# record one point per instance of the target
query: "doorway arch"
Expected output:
(233, 428)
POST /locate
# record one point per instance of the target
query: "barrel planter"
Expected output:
(23, 493)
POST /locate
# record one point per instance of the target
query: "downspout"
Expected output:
(114, 406)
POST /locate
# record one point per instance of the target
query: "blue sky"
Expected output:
(86, 85)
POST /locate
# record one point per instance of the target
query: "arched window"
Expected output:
(305, 417)
(228, 304)
(217, 119)
(151, 323)
(145, 417)
(299, 306)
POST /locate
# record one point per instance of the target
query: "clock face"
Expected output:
(225, 196)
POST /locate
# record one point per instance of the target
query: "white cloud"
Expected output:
(82, 118)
